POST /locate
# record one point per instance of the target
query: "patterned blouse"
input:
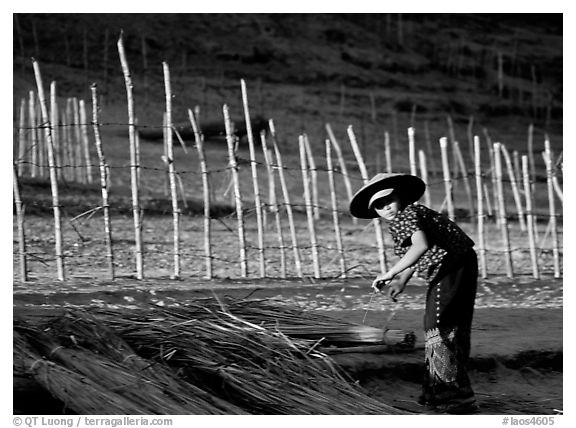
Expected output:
(446, 240)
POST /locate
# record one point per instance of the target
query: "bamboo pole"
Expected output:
(253, 168)
(447, 177)
(103, 181)
(134, 166)
(424, 175)
(79, 171)
(33, 136)
(309, 208)
(412, 151)
(467, 187)
(530, 217)
(41, 143)
(514, 184)
(470, 136)
(342, 164)
(387, 153)
(66, 144)
(55, 130)
(314, 177)
(165, 131)
(492, 173)
(480, 208)
(552, 207)
(22, 146)
(452, 139)
(172, 171)
(502, 211)
(377, 221)
(335, 216)
(273, 201)
(53, 178)
(429, 149)
(20, 221)
(233, 165)
(487, 199)
(199, 140)
(531, 153)
(286, 196)
(85, 148)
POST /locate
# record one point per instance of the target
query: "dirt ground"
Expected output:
(517, 356)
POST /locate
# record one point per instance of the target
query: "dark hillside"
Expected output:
(375, 71)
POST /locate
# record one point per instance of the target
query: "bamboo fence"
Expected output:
(55, 144)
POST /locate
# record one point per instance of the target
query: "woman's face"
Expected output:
(387, 207)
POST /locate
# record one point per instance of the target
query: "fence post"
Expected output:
(377, 221)
(387, 153)
(515, 191)
(274, 202)
(84, 129)
(199, 140)
(412, 151)
(502, 211)
(256, 188)
(103, 180)
(286, 197)
(233, 165)
(53, 178)
(342, 164)
(22, 146)
(552, 207)
(530, 217)
(309, 209)
(424, 174)
(34, 138)
(314, 177)
(480, 213)
(172, 171)
(20, 220)
(133, 162)
(447, 177)
(335, 217)
(55, 129)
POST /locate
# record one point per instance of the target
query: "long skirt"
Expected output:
(447, 325)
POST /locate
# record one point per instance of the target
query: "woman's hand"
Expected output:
(382, 280)
(395, 289)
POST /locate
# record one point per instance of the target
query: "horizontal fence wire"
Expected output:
(79, 182)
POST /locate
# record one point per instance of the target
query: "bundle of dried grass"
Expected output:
(209, 357)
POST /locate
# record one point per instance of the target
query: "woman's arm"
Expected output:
(418, 247)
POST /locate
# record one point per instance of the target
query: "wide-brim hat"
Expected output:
(408, 187)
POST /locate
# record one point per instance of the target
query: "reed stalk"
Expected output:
(55, 130)
(387, 153)
(33, 123)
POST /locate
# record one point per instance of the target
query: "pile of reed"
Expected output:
(208, 357)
